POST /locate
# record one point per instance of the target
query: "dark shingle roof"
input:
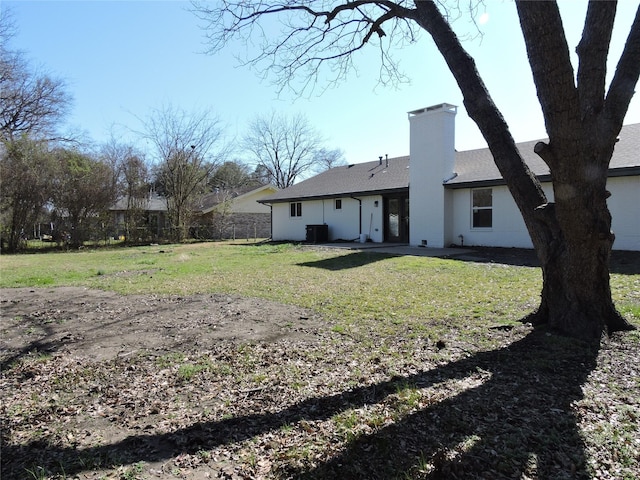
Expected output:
(473, 167)
(153, 203)
(478, 165)
(358, 179)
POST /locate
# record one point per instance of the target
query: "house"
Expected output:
(219, 214)
(153, 213)
(438, 197)
(231, 213)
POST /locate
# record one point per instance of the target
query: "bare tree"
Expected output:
(133, 180)
(571, 236)
(285, 147)
(189, 147)
(327, 159)
(31, 103)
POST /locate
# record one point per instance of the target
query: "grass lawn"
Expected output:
(414, 367)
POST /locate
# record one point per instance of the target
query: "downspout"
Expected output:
(323, 219)
(360, 213)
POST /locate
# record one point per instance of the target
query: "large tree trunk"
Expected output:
(583, 125)
(576, 294)
(572, 236)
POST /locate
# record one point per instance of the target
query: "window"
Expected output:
(482, 208)
(296, 209)
(338, 204)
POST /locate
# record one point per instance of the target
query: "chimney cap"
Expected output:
(445, 107)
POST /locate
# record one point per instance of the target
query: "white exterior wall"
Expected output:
(343, 223)
(286, 227)
(624, 205)
(432, 152)
(372, 217)
(248, 203)
(508, 228)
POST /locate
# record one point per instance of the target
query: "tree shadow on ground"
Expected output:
(505, 413)
(622, 261)
(625, 262)
(44, 345)
(516, 423)
(351, 260)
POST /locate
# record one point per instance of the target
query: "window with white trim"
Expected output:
(295, 209)
(482, 208)
(338, 204)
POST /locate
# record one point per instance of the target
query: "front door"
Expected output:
(396, 219)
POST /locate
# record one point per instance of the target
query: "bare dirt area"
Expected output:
(103, 325)
(86, 368)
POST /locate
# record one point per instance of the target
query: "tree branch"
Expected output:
(543, 150)
(550, 63)
(311, 37)
(592, 51)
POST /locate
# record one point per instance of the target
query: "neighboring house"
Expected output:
(153, 211)
(221, 214)
(234, 213)
(445, 198)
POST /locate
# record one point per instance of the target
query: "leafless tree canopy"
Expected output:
(31, 103)
(189, 146)
(293, 40)
(284, 147)
(326, 159)
(133, 181)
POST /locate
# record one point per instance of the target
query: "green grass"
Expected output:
(350, 289)
(344, 286)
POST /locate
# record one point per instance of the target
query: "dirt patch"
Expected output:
(102, 325)
(98, 369)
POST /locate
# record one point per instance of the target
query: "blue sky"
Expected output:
(121, 59)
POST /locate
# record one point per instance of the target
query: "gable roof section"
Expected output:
(477, 168)
(368, 178)
(153, 203)
(473, 168)
(210, 201)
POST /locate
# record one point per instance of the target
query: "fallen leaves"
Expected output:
(328, 406)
